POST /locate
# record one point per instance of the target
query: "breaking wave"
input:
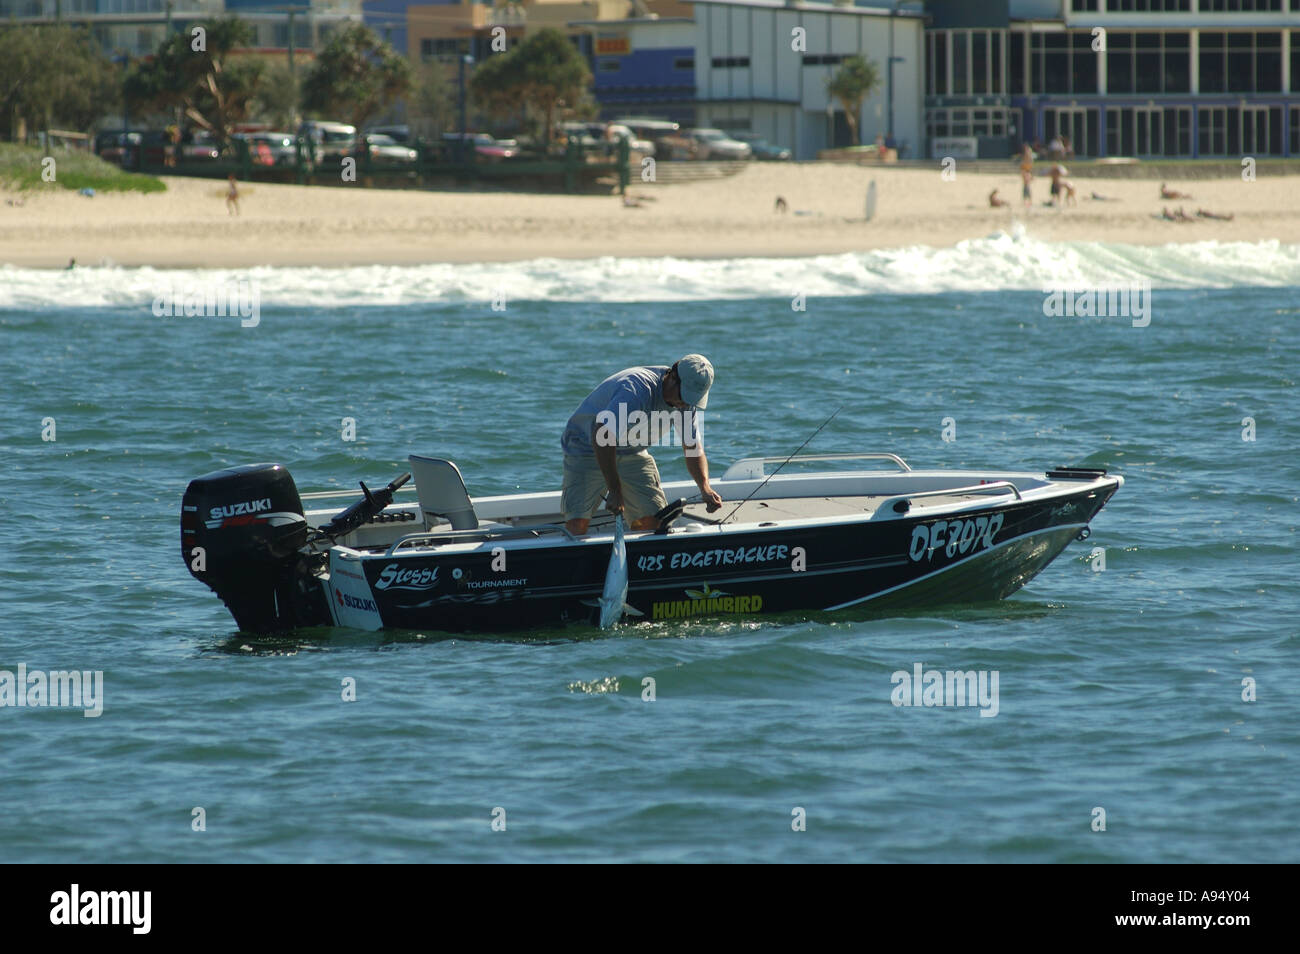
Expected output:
(999, 262)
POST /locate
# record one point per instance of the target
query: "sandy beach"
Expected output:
(188, 225)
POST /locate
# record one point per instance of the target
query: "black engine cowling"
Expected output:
(241, 532)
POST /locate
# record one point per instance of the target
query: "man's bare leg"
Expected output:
(579, 527)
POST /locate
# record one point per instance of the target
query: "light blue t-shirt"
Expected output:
(637, 389)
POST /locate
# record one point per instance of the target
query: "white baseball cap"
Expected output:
(696, 374)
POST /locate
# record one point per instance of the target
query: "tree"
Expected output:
(853, 82)
(356, 75)
(433, 99)
(276, 100)
(53, 75)
(197, 73)
(543, 73)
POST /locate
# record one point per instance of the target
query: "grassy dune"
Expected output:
(21, 169)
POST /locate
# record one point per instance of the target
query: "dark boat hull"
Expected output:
(985, 554)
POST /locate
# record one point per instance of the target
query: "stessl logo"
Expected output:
(394, 577)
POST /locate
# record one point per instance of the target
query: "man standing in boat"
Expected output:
(605, 442)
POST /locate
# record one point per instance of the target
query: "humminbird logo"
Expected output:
(102, 908)
(394, 577)
(217, 515)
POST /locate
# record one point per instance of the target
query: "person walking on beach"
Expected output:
(605, 442)
(1026, 174)
(232, 196)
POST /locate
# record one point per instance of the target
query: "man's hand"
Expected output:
(712, 501)
(614, 502)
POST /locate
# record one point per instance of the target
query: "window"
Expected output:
(1017, 58)
(996, 84)
(1063, 62)
(730, 62)
(684, 63)
(960, 62)
(1295, 60)
(1149, 6)
(966, 62)
(938, 72)
(966, 122)
(1240, 6)
(431, 47)
(1148, 62)
(979, 62)
(819, 59)
(1149, 131)
(1241, 62)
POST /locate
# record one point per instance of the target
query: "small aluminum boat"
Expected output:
(855, 530)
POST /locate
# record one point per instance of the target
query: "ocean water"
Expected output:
(1119, 689)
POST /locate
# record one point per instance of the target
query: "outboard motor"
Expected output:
(241, 530)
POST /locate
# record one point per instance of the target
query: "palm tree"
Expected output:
(853, 82)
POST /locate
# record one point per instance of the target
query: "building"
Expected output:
(137, 27)
(763, 66)
(1144, 78)
(643, 66)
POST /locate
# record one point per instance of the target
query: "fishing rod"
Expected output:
(778, 470)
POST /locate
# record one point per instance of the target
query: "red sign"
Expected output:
(613, 46)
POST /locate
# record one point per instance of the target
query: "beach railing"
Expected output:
(577, 168)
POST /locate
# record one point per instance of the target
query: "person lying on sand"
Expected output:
(995, 202)
(1098, 197)
(636, 200)
(1178, 216)
(1203, 214)
(1168, 193)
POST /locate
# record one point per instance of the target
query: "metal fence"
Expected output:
(576, 168)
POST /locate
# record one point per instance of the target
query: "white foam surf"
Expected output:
(997, 263)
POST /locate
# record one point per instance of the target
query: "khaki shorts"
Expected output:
(584, 485)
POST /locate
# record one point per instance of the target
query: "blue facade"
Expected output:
(659, 80)
(387, 18)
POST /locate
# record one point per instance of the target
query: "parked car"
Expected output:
(493, 150)
(199, 147)
(615, 131)
(330, 141)
(649, 128)
(400, 134)
(763, 149)
(715, 144)
(385, 151)
(270, 148)
(582, 134)
(113, 146)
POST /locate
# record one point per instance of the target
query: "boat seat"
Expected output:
(442, 493)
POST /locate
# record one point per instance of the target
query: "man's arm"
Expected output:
(607, 460)
(698, 467)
